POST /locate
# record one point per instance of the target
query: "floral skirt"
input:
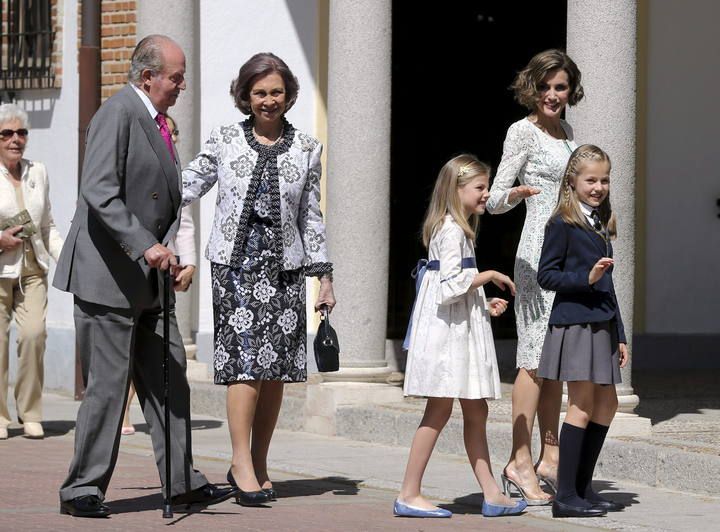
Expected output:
(260, 325)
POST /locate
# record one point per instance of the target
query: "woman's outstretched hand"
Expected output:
(521, 192)
(326, 297)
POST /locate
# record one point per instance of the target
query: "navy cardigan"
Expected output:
(569, 252)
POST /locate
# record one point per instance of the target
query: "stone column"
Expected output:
(358, 200)
(358, 182)
(181, 24)
(602, 40)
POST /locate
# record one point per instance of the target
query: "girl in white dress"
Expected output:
(451, 351)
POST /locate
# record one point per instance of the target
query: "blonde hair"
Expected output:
(456, 173)
(568, 205)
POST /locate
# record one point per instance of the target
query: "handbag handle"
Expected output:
(325, 316)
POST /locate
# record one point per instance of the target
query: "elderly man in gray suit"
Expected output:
(127, 212)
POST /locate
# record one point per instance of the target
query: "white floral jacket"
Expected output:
(234, 159)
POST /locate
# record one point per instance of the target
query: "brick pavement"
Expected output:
(33, 471)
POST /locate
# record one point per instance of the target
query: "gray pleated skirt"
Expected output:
(583, 352)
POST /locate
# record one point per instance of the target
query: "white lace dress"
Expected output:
(451, 352)
(536, 159)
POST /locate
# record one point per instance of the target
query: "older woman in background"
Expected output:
(25, 252)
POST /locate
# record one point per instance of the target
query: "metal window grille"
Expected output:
(26, 45)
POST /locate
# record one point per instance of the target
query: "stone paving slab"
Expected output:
(325, 484)
(33, 470)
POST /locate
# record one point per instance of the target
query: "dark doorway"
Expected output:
(452, 65)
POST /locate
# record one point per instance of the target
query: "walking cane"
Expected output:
(167, 506)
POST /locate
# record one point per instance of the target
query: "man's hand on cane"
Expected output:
(158, 256)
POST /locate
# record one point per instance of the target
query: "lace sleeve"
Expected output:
(200, 174)
(515, 152)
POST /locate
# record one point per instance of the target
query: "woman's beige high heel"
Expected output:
(507, 482)
(549, 482)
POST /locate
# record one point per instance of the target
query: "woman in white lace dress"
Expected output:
(535, 153)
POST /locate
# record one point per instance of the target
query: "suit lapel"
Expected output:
(169, 167)
(597, 239)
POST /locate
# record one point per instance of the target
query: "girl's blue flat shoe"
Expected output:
(496, 510)
(405, 510)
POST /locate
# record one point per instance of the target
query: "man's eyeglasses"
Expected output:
(8, 133)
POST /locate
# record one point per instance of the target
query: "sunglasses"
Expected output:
(8, 133)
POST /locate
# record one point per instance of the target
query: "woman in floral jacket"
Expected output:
(267, 235)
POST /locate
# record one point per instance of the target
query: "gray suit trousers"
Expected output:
(113, 343)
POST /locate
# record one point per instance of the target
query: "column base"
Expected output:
(197, 371)
(323, 401)
(628, 403)
(378, 374)
(190, 350)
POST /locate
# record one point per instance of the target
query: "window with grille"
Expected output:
(26, 39)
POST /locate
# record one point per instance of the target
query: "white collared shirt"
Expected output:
(587, 211)
(148, 104)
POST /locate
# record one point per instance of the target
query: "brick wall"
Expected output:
(56, 11)
(118, 39)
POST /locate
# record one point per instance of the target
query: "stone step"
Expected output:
(659, 461)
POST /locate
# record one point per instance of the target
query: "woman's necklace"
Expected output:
(269, 143)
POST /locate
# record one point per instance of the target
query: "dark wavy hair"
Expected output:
(259, 66)
(529, 78)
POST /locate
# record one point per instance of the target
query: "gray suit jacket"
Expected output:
(129, 200)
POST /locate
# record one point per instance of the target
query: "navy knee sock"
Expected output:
(592, 445)
(571, 444)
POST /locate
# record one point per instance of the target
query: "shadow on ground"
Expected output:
(664, 394)
(286, 489)
(195, 424)
(317, 486)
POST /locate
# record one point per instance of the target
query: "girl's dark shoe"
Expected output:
(271, 493)
(560, 509)
(247, 498)
(604, 504)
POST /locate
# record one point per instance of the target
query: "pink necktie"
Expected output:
(165, 132)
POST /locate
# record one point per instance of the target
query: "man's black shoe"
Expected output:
(205, 495)
(85, 506)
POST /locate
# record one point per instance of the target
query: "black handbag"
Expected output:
(326, 347)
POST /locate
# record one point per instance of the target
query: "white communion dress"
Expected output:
(451, 351)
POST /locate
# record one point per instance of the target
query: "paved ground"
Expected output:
(324, 484)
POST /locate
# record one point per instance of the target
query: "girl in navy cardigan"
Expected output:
(585, 344)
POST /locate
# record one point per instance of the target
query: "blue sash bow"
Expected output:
(418, 273)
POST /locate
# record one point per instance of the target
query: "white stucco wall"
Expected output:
(683, 168)
(230, 33)
(54, 141)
